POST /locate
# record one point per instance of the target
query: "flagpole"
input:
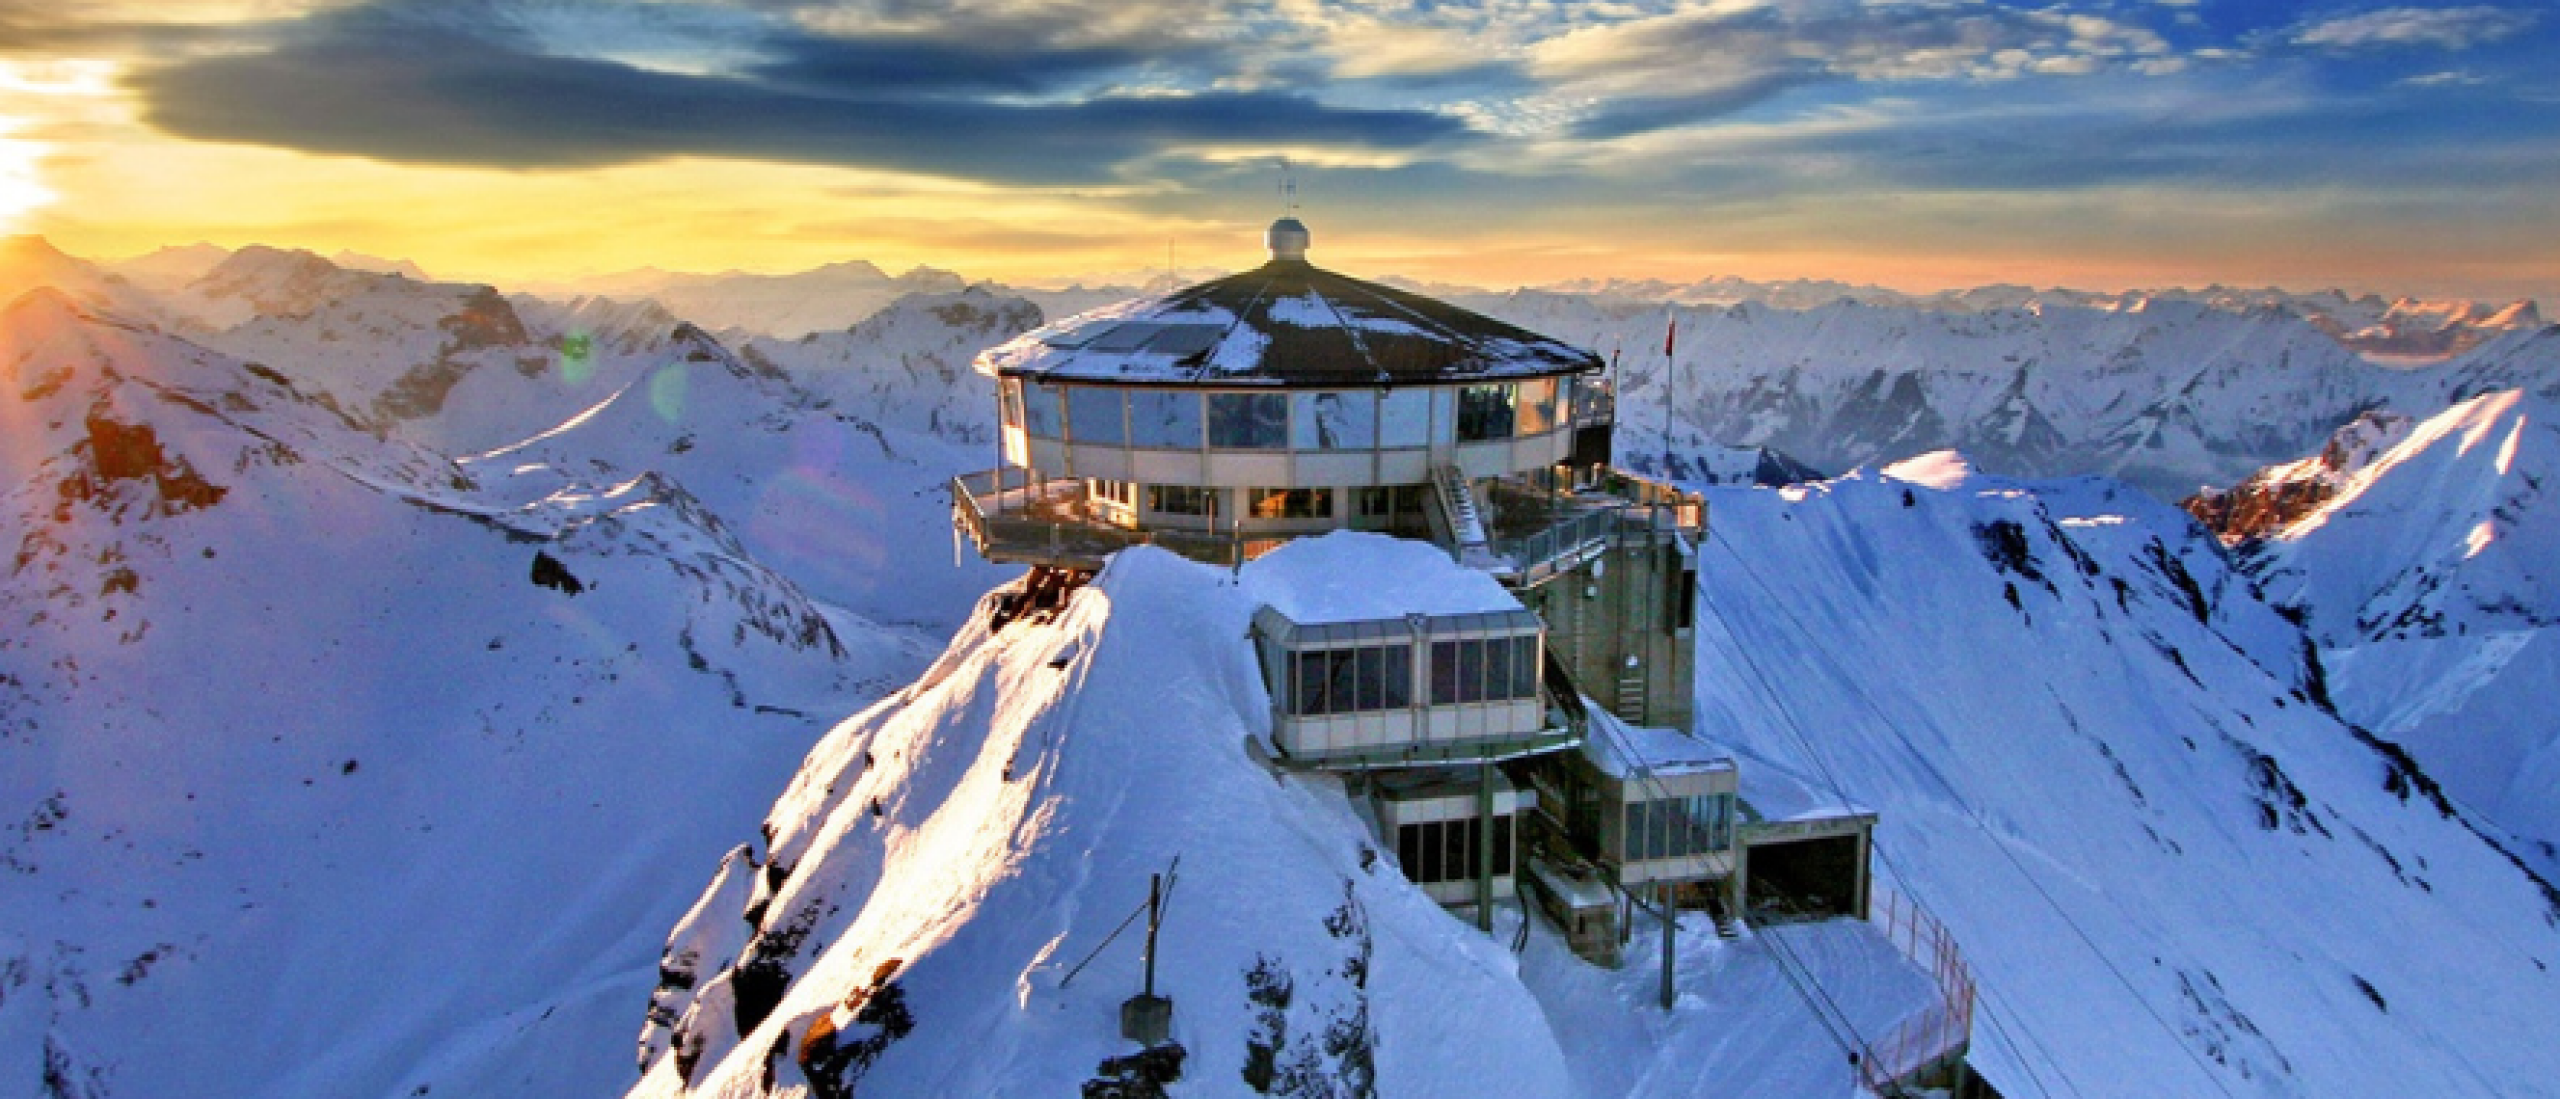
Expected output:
(1670, 336)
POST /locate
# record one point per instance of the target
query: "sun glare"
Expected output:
(30, 94)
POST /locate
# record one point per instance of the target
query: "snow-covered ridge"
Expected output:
(968, 840)
(2426, 579)
(2100, 759)
(328, 764)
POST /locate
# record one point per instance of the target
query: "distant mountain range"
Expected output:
(388, 662)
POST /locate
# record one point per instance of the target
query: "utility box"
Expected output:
(1147, 1020)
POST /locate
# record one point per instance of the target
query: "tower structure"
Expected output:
(1517, 739)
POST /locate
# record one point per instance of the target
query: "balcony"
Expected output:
(1538, 534)
(1015, 518)
(1533, 532)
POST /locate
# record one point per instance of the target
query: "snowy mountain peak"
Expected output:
(2426, 580)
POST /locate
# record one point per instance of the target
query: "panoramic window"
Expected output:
(1249, 421)
(1040, 411)
(1158, 418)
(1404, 418)
(1333, 420)
(1183, 500)
(1484, 669)
(1484, 412)
(1445, 850)
(1291, 503)
(1095, 415)
(1537, 411)
(1009, 393)
(1389, 501)
(1674, 827)
(1343, 681)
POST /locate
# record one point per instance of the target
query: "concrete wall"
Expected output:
(1626, 603)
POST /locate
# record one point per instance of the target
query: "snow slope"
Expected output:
(988, 827)
(829, 456)
(2429, 581)
(935, 879)
(326, 770)
(2098, 760)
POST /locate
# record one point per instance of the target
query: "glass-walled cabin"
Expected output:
(1279, 461)
(1392, 691)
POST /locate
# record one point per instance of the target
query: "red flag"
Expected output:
(1668, 335)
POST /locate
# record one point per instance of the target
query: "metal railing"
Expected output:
(1011, 515)
(1932, 1039)
(1618, 505)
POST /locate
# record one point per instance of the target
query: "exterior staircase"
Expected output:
(1464, 515)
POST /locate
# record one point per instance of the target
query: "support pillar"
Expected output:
(1670, 937)
(1484, 847)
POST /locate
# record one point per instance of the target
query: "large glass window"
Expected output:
(1095, 415)
(1671, 828)
(1290, 503)
(1162, 418)
(1249, 421)
(1404, 418)
(1484, 412)
(1342, 681)
(1445, 850)
(1009, 401)
(1183, 500)
(1487, 669)
(1389, 501)
(1040, 411)
(1537, 407)
(1333, 420)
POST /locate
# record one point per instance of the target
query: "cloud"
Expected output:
(2454, 78)
(2444, 28)
(1699, 64)
(418, 82)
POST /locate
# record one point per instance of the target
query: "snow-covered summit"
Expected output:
(2427, 581)
(2100, 760)
(987, 828)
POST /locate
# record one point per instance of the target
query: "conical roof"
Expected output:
(1286, 323)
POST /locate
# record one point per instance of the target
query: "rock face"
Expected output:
(2424, 577)
(2278, 496)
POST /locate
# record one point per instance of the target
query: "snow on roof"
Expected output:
(1354, 576)
(1285, 323)
(1773, 791)
(1621, 749)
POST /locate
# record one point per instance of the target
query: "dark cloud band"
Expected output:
(399, 83)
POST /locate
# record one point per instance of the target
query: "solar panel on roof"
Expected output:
(1184, 340)
(1126, 336)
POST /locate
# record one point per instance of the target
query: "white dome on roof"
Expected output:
(1288, 239)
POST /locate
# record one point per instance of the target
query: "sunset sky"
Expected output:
(2391, 146)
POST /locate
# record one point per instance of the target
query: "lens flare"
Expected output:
(577, 358)
(666, 393)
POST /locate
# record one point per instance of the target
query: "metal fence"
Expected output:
(1011, 515)
(1933, 1038)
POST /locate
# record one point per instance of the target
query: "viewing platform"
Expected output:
(1533, 532)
